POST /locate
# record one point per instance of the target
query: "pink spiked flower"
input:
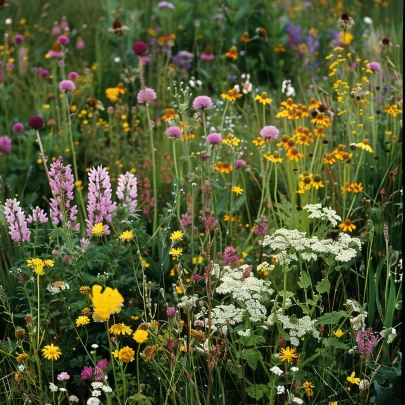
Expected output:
(127, 190)
(17, 223)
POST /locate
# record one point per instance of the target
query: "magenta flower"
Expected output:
(63, 40)
(38, 216)
(80, 44)
(140, 48)
(17, 223)
(374, 66)
(365, 341)
(127, 190)
(102, 364)
(230, 256)
(165, 4)
(44, 74)
(171, 312)
(202, 102)
(261, 227)
(174, 132)
(240, 163)
(146, 96)
(86, 373)
(73, 75)
(62, 186)
(67, 85)
(36, 122)
(18, 39)
(64, 376)
(99, 206)
(18, 128)
(269, 131)
(5, 145)
(214, 138)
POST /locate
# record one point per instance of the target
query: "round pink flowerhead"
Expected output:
(214, 138)
(146, 96)
(73, 75)
(18, 39)
(165, 4)
(202, 102)
(36, 122)
(240, 163)
(374, 66)
(44, 74)
(171, 312)
(173, 132)
(80, 44)
(66, 85)
(5, 145)
(269, 131)
(63, 40)
(18, 128)
(140, 48)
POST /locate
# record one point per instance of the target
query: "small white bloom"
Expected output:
(9, 21)
(107, 389)
(97, 385)
(96, 393)
(94, 346)
(62, 389)
(276, 370)
(21, 367)
(364, 384)
(368, 20)
(73, 398)
(93, 401)
(244, 332)
(117, 59)
(280, 389)
(53, 387)
(298, 401)
(294, 369)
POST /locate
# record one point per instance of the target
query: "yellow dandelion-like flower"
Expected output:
(98, 229)
(125, 355)
(37, 266)
(120, 329)
(232, 95)
(176, 252)
(51, 352)
(223, 167)
(353, 379)
(82, 320)
(127, 236)
(176, 236)
(140, 336)
(288, 354)
(259, 141)
(237, 190)
(339, 333)
(392, 110)
(273, 157)
(105, 303)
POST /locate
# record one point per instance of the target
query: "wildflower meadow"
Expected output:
(201, 202)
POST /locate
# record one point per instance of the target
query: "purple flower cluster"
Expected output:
(38, 215)
(365, 341)
(99, 371)
(64, 376)
(17, 223)
(261, 226)
(230, 256)
(99, 206)
(62, 186)
(5, 145)
(127, 190)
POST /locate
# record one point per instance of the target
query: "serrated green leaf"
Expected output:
(323, 286)
(305, 280)
(252, 356)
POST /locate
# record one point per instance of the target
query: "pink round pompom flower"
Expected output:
(73, 75)
(174, 132)
(146, 96)
(5, 145)
(165, 4)
(202, 102)
(240, 163)
(269, 131)
(18, 39)
(36, 122)
(140, 48)
(374, 66)
(214, 138)
(63, 40)
(67, 85)
(44, 74)
(18, 128)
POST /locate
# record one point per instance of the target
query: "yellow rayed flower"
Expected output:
(37, 265)
(140, 336)
(321, 119)
(353, 380)
(232, 53)
(308, 388)
(317, 181)
(232, 95)
(125, 355)
(237, 190)
(127, 236)
(339, 333)
(223, 167)
(259, 141)
(347, 226)
(365, 145)
(392, 110)
(82, 320)
(98, 229)
(170, 113)
(231, 140)
(176, 252)
(105, 303)
(273, 157)
(51, 352)
(176, 236)
(120, 329)
(263, 99)
(288, 354)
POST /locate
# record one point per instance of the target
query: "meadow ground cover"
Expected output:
(201, 202)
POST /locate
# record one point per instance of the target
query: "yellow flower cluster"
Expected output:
(37, 265)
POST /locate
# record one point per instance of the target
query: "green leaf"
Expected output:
(334, 342)
(257, 391)
(239, 202)
(389, 316)
(222, 202)
(331, 318)
(252, 356)
(140, 399)
(323, 286)
(249, 341)
(305, 280)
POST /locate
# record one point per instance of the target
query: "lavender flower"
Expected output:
(214, 138)
(202, 102)
(62, 186)
(230, 256)
(374, 66)
(269, 131)
(173, 132)
(5, 145)
(63, 39)
(86, 373)
(127, 190)
(80, 44)
(240, 163)
(18, 39)
(146, 96)
(365, 341)
(66, 85)
(165, 4)
(99, 206)
(171, 312)
(64, 376)
(38, 215)
(261, 226)
(17, 223)
(18, 128)
(73, 75)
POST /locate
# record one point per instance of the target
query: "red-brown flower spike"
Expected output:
(140, 48)
(36, 122)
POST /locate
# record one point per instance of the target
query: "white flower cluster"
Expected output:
(265, 266)
(389, 333)
(324, 213)
(358, 322)
(296, 327)
(289, 243)
(57, 287)
(280, 389)
(245, 333)
(276, 370)
(188, 302)
(224, 315)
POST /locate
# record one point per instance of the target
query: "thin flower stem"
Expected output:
(41, 149)
(223, 117)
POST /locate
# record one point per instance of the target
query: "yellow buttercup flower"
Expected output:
(140, 336)
(339, 333)
(82, 320)
(237, 190)
(51, 352)
(353, 380)
(105, 303)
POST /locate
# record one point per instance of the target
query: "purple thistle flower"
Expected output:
(73, 75)
(86, 373)
(67, 85)
(146, 96)
(127, 190)
(17, 223)
(365, 341)
(18, 39)
(80, 44)
(214, 138)
(55, 29)
(202, 102)
(174, 132)
(63, 39)
(374, 66)
(44, 74)
(5, 145)
(38, 215)
(171, 312)
(62, 186)
(99, 206)
(269, 131)
(18, 128)
(230, 256)
(240, 163)
(102, 364)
